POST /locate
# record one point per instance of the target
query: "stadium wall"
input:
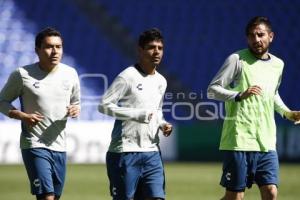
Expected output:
(87, 142)
(200, 142)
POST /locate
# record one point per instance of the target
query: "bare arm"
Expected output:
(29, 119)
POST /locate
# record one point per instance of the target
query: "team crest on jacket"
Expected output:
(160, 89)
(66, 85)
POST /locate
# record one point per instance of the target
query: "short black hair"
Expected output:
(256, 21)
(150, 35)
(46, 32)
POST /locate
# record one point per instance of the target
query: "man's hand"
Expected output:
(167, 129)
(32, 119)
(293, 116)
(252, 90)
(150, 117)
(73, 111)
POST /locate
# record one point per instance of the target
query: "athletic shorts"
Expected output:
(137, 175)
(241, 169)
(46, 170)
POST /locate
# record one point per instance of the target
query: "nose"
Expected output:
(54, 50)
(157, 50)
(256, 38)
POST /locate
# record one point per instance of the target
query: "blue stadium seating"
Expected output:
(201, 34)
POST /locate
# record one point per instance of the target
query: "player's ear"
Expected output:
(140, 50)
(271, 36)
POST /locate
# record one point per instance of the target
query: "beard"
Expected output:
(258, 52)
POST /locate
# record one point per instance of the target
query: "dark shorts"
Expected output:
(46, 170)
(241, 169)
(137, 175)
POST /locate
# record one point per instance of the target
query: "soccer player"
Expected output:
(49, 92)
(248, 83)
(134, 164)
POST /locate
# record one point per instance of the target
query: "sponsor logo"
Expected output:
(139, 86)
(228, 176)
(36, 84)
(114, 191)
(36, 182)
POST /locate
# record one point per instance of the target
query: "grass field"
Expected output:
(185, 181)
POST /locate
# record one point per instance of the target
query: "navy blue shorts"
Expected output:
(137, 175)
(241, 169)
(46, 170)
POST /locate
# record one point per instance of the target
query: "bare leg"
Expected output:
(229, 195)
(46, 197)
(268, 192)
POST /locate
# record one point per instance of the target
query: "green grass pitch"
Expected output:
(184, 181)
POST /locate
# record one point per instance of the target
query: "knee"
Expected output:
(269, 192)
(273, 193)
(233, 196)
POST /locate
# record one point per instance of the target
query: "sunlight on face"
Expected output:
(50, 52)
(152, 53)
(259, 39)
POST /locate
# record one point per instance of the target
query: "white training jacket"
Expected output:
(131, 98)
(46, 93)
